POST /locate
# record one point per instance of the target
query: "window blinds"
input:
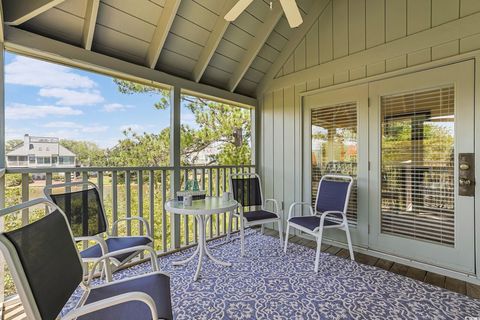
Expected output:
(334, 147)
(417, 194)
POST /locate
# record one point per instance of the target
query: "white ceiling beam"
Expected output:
(257, 43)
(161, 31)
(2, 38)
(19, 11)
(214, 39)
(296, 37)
(89, 24)
(28, 43)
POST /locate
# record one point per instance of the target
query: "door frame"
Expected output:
(459, 74)
(358, 94)
(471, 55)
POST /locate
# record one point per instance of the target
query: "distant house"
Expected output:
(205, 156)
(40, 152)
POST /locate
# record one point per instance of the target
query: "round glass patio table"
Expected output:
(202, 210)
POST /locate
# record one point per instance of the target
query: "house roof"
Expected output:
(20, 150)
(189, 39)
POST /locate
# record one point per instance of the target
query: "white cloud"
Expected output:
(69, 97)
(112, 107)
(13, 133)
(61, 124)
(94, 129)
(32, 72)
(23, 111)
(76, 126)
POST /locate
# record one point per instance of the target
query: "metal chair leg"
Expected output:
(280, 231)
(286, 237)
(319, 248)
(349, 242)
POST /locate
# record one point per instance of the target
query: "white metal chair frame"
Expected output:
(25, 292)
(243, 221)
(318, 232)
(109, 234)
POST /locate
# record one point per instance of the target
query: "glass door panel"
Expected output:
(420, 125)
(334, 147)
(336, 142)
(418, 146)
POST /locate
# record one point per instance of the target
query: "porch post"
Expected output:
(255, 131)
(175, 109)
(2, 169)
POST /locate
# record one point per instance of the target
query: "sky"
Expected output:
(47, 99)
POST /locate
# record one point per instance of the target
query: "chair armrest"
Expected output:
(275, 203)
(97, 239)
(113, 301)
(326, 213)
(106, 258)
(145, 223)
(293, 205)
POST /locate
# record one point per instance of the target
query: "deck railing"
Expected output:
(127, 192)
(137, 191)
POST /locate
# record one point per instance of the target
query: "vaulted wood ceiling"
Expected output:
(185, 38)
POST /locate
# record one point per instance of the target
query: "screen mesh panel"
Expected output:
(247, 191)
(334, 147)
(417, 194)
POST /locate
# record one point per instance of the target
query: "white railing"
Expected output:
(138, 191)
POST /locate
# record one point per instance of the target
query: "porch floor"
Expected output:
(265, 251)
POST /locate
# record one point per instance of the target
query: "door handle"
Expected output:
(466, 174)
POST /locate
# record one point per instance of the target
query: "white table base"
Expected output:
(202, 248)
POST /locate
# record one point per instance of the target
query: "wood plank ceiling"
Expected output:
(186, 38)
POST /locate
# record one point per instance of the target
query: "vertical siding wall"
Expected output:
(350, 40)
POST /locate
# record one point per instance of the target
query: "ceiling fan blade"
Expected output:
(292, 12)
(237, 9)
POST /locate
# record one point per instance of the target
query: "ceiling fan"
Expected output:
(289, 7)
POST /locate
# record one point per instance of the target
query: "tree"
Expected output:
(12, 144)
(147, 149)
(224, 128)
(88, 153)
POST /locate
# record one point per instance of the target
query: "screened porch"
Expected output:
(380, 93)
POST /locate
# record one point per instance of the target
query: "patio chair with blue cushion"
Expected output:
(247, 191)
(330, 211)
(86, 215)
(47, 269)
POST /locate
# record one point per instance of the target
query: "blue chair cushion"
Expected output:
(332, 196)
(114, 244)
(259, 215)
(155, 285)
(312, 222)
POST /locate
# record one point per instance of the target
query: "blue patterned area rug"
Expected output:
(268, 284)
